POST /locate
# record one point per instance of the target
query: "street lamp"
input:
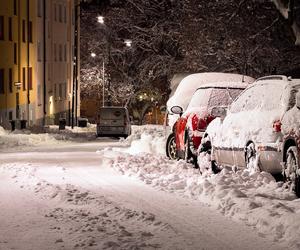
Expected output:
(100, 19)
(128, 42)
(103, 77)
(106, 56)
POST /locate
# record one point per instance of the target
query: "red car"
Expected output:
(191, 125)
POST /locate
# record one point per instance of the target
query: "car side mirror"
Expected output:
(177, 110)
(298, 100)
(219, 112)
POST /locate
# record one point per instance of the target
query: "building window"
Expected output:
(60, 91)
(30, 78)
(60, 52)
(39, 94)
(23, 31)
(60, 13)
(24, 78)
(39, 51)
(1, 27)
(49, 71)
(15, 7)
(1, 81)
(65, 14)
(55, 52)
(10, 29)
(55, 91)
(55, 14)
(65, 89)
(65, 52)
(73, 16)
(15, 54)
(30, 32)
(39, 8)
(10, 80)
(49, 30)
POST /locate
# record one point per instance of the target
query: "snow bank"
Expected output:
(27, 138)
(146, 139)
(257, 199)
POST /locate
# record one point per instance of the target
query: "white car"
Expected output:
(261, 130)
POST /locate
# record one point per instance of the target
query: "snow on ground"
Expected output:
(23, 139)
(256, 199)
(63, 192)
(79, 218)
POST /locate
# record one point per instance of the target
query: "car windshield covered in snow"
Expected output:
(211, 97)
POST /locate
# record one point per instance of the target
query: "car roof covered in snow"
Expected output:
(191, 83)
(277, 79)
(226, 84)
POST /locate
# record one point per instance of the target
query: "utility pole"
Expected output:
(75, 69)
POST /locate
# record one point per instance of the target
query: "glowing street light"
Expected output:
(128, 42)
(93, 54)
(100, 19)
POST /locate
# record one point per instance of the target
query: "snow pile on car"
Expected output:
(257, 199)
(189, 84)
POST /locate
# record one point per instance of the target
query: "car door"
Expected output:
(234, 130)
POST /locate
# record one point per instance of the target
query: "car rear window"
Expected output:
(109, 114)
(211, 97)
(267, 96)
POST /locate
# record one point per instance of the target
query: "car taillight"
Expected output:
(201, 125)
(277, 126)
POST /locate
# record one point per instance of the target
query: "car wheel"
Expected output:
(251, 158)
(291, 171)
(188, 155)
(171, 147)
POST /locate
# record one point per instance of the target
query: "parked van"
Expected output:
(113, 121)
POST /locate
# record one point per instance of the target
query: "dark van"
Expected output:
(113, 121)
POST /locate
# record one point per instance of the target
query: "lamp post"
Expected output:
(103, 78)
(106, 59)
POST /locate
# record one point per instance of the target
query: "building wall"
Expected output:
(52, 76)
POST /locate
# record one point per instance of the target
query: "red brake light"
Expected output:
(201, 125)
(277, 126)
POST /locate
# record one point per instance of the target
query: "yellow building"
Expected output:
(36, 61)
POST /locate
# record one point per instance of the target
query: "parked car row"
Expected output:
(192, 102)
(259, 130)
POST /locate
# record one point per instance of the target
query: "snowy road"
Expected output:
(69, 197)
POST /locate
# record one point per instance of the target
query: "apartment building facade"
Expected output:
(38, 48)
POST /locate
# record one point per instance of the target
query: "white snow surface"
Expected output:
(70, 197)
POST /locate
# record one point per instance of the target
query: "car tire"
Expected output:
(291, 171)
(251, 158)
(188, 155)
(171, 151)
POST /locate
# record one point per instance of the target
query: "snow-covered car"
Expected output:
(261, 130)
(184, 93)
(192, 124)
